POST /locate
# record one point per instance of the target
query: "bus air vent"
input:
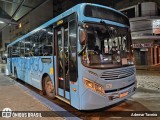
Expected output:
(118, 74)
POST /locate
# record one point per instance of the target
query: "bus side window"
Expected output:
(15, 52)
(43, 42)
(36, 52)
(47, 50)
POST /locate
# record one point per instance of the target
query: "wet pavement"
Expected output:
(148, 79)
(147, 98)
(148, 92)
(3, 68)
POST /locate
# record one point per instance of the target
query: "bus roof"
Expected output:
(75, 8)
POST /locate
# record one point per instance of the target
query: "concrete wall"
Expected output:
(150, 56)
(141, 27)
(35, 18)
(141, 24)
(149, 9)
(145, 9)
(127, 3)
(5, 37)
(41, 14)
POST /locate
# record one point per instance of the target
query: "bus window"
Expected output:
(15, 50)
(28, 46)
(112, 44)
(42, 42)
(47, 50)
(22, 48)
(92, 44)
(73, 51)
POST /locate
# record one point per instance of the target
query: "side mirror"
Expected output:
(83, 37)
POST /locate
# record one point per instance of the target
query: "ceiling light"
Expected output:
(1, 22)
(20, 25)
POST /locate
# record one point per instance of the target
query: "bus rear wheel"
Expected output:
(49, 88)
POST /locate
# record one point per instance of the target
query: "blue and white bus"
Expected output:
(83, 57)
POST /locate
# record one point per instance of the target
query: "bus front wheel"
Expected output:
(49, 88)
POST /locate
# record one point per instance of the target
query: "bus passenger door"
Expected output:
(63, 86)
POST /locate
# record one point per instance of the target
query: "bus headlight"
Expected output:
(99, 88)
(94, 86)
(130, 62)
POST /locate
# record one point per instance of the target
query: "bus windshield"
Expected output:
(107, 46)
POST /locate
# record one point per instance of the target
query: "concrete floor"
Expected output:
(148, 92)
(147, 98)
(11, 96)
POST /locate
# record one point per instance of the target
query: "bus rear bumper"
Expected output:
(91, 100)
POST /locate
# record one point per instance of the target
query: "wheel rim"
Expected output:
(49, 87)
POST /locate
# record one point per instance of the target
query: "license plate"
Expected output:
(123, 94)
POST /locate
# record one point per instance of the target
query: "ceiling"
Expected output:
(13, 10)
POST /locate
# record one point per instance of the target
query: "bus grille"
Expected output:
(118, 74)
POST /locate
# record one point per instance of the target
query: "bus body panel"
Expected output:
(117, 87)
(95, 101)
(31, 70)
(74, 93)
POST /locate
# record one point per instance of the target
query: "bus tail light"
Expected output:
(94, 86)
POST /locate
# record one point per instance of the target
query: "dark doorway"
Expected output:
(143, 58)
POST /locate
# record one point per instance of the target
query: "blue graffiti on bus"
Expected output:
(34, 64)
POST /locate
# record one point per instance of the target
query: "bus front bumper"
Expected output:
(96, 101)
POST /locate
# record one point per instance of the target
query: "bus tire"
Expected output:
(48, 87)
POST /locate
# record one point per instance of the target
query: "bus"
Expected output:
(83, 57)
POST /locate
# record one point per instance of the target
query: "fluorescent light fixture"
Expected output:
(20, 25)
(27, 42)
(44, 29)
(1, 22)
(50, 33)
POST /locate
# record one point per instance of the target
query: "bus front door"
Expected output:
(62, 64)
